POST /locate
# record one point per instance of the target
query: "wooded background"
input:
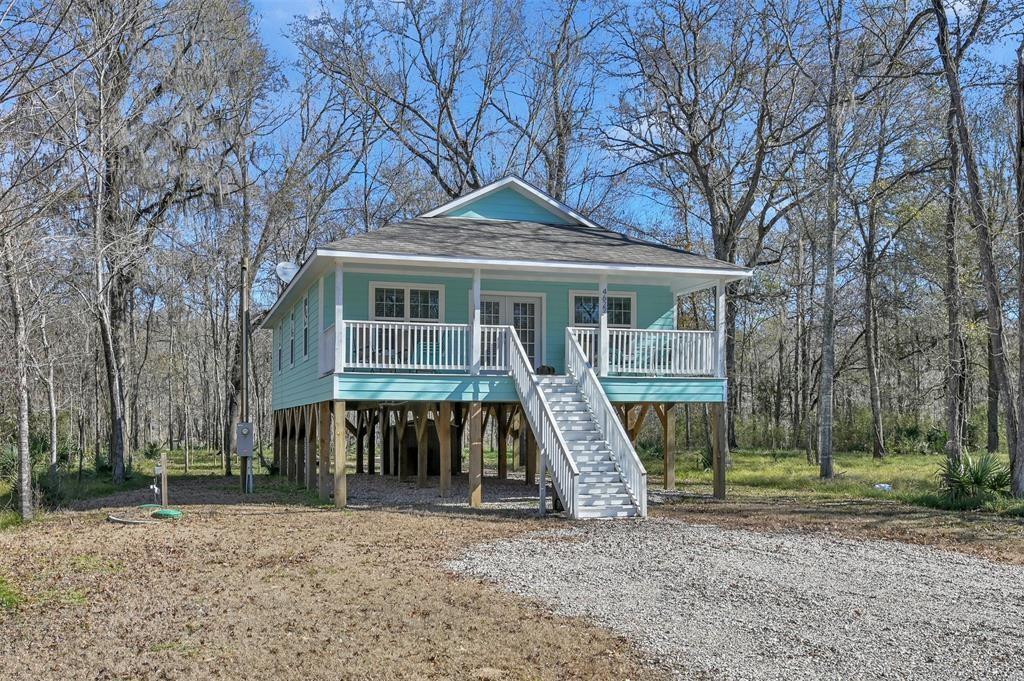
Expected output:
(864, 157)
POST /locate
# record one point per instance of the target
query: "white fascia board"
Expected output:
(533, 265)
(522, 187)
(304, 272)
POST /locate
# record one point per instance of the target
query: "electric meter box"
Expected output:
(244, 438)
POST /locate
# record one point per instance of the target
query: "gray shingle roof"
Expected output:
(520, 240)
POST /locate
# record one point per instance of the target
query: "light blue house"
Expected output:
(504, 303)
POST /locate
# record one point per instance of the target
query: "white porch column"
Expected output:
(602, 334)
(474, 341)
(720, 330)
(339, 320)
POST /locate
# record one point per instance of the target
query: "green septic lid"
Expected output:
(167, 513)
(150, 506)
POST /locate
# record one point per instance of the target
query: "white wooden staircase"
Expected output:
(594, 469)
(601, 490)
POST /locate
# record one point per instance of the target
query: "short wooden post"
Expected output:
(531, 454)
(476, 455)
(444, 435)
(420, 414)
(324, 474)
(458, 426)
(668, 427)
(719, 447)
(340, 455)
(502, 429)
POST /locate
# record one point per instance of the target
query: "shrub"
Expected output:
(974, 479)
(151, 451)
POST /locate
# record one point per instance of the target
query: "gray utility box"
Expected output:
(244, 439)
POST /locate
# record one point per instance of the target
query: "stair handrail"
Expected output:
(608, 424)
(553, 448)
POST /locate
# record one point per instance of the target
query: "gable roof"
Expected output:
(524, 241)
(560, 212)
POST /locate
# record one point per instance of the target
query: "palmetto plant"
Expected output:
(974, 478)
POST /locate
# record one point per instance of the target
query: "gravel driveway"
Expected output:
(708, 602)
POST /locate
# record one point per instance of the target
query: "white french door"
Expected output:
(523, 313)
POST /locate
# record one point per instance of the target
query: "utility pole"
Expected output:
(245, 428)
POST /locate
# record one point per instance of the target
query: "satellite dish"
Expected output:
(286, 271)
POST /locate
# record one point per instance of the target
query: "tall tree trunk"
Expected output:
(26, 506)
(956, 362)
(1017, 462)
(980, 217)
(992, 394)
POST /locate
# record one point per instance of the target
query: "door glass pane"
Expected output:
(524, 319)
(490, 312)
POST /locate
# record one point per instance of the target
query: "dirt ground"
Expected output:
(978, 534)
(277, 587)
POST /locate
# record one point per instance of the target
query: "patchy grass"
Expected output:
(786, 473)
(10, 597)
(95, 564)
(9, 519)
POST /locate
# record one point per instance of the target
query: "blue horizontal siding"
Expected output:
(299, 383)
(507, 204)
(424, 387)
(642, 389)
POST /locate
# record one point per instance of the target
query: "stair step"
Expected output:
(590, 446)
(607, 512)
(622, 499)
(577, 426)
(599, 478)
(597, 467)
(556, 380)
(591, 457)
(603, 489)
(572, 416)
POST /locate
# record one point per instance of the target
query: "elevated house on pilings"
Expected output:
(503, 303)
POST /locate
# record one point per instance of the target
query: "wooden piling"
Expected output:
(340, 455)
(476, 455)
(444, 435)
(324, 451)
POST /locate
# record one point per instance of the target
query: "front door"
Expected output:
(523, 313)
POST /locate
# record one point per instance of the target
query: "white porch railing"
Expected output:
(495, 348)
(633, 472)
(651, 352)
(406, 346)
(553, 448)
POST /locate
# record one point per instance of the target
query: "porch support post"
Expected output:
(720, 330)
(339, 320)
(603, 336)
(668, 425)
(531, 453)
(719, 444)
(371, 442)
(444, 436)
(340, 455)
(474, 361)
(543, 477)
(476, 455)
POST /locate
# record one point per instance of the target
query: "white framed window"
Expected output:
(291, 338)
(407, 302)
(585, 308)
(305, 326)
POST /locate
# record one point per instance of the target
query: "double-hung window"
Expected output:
(408, 303)
(586, 310)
